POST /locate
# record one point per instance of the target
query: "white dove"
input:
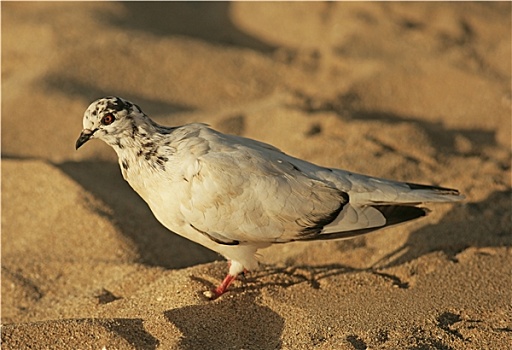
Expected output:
(235, 195)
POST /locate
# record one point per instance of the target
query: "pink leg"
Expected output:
(222, 288)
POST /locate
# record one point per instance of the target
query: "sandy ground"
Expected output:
(416, 92)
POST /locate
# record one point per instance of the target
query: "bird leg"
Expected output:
(223, 287)
(226, 282)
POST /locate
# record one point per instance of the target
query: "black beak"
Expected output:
(85, 135)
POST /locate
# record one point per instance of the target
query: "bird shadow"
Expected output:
(156, 245)
(206, 21)
(239, 322)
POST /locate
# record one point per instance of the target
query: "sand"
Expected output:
(416, 92)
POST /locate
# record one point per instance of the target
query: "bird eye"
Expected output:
(108, 119)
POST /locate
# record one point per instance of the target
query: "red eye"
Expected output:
(108, 119)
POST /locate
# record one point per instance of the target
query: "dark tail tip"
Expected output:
(441, 190)
(396, 214)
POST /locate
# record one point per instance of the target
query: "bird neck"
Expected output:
(142, 145)
(140, 133)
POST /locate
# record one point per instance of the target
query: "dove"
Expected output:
(235, 195)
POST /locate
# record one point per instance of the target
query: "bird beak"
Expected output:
(85, 135)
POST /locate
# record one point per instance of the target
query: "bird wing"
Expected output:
(243, 190)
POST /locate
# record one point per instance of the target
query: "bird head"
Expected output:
(108, 119)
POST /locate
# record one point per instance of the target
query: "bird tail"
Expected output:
(392, 214)
(364, 215)
(426, 193)
(388, 192)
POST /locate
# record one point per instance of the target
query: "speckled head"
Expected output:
(107, 118)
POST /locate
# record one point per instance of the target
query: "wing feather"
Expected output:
(243, 190)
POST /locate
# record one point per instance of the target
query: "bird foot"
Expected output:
(221, 289)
